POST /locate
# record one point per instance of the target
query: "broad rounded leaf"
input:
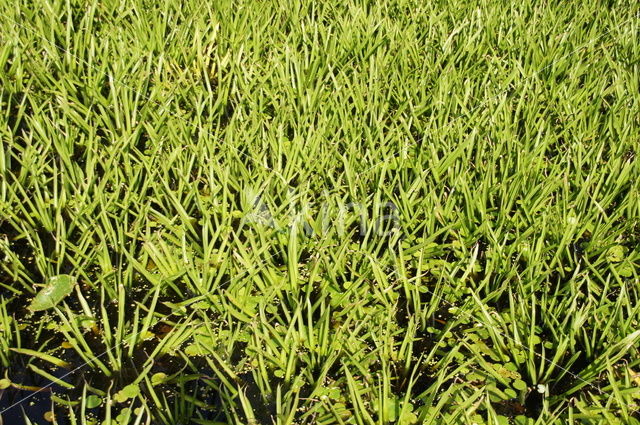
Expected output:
(128, 392)
(131, 390)
(616, 253)
(55, 291)
(519, 384)
(158, 378)
(93, 401)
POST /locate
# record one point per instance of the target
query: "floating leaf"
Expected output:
(506, 373)
(523, 420)
(55, 291)
(124, 416)
(194, 350)
(519, 384)
(93, 401)
(392, 406)
(158, 378)
(201, 305)
(407, 417)
(502, 420)
(396, 411)
(510, 393)
(625, 269)
(130, 391)
(616, 254)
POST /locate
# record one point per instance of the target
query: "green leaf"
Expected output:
(194, 350)
(625, 269)
(128, 392)
(523, 420)
(124, 416)
(43, 356)
(407, 417)
(616, 254)
(158, 378)
(502, 420)
(131, 390)
(4, 383)
(519, 384)
(392, 406)
(93, 401)
(55, 291)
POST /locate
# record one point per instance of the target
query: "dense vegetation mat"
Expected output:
(314, 212)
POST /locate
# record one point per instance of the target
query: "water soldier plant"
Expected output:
(313, 212)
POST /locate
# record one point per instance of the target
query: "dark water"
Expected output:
(15, 404)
